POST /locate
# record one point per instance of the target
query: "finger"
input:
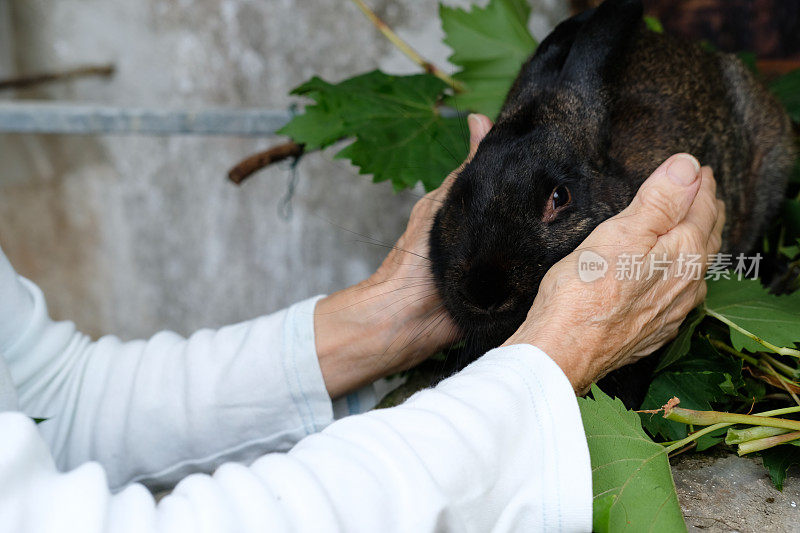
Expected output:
(715, 239)
(479, 126)
(704, 212)
(694, 234)
(664, 199)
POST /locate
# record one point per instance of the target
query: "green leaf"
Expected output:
(747, 304)
(787, 89)
(653, 24)
(702, 377)
(777, 461)
(399, 133)
(490, 45)
(631, 479)
(680, 345)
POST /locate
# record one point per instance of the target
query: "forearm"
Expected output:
(157, 410)
(498, 447)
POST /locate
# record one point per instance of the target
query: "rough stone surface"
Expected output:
(131, 235)
(726, 493)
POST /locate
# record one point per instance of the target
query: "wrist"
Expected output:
(355, 331)
(553, 339)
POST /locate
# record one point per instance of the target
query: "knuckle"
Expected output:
(714, 243)
(702, 291)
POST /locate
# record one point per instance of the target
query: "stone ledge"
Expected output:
(723, 493)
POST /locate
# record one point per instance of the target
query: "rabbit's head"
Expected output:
(540, 181)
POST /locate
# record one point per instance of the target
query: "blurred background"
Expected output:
(133, 234)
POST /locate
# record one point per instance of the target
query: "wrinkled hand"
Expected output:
(591, 328)
(395, 319)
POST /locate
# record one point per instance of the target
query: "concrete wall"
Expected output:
(134, 234)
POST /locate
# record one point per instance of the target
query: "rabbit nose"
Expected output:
(487, 287)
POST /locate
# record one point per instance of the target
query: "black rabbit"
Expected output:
(593, 112)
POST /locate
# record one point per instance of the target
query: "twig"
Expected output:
(783, 381)
(256, 162)
(406, 48)
(48, 77)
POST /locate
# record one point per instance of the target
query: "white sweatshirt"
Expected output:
(498, 447)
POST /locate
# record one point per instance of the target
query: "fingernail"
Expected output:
(684, 169)
(472, 120)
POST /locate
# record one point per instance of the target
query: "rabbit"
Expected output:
(598, 107)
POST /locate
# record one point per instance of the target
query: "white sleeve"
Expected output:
(498, 447)
(155, 411)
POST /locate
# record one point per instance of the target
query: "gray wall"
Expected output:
(134, 234)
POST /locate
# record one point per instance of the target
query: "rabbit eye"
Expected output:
(559, 198)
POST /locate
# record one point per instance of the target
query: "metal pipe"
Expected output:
(20, 116)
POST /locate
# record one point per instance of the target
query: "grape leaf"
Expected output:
(777, 461)
(747, 304)
(490, 45)
(399, 133)
(631, 479)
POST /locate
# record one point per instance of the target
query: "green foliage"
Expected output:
(703, 376)
(680, 345)
(778, 460)
(489, 44)
(398, 130)
(747, 304)
(654, 24)
(787, 89)
(631, 479)
(395, 122)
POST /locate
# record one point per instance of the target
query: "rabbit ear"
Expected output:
(600, 42)
(544, 67)
(553, 51)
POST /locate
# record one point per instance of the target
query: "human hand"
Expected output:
(591, 328)
(395, 319)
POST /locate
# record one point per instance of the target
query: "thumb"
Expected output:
(479, 126)
(665, 197)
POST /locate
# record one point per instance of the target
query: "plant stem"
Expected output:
(738, 436)
(707, 418)
(777, 349)
(694, 436)
(725, 348)
(768, 442)
(765, 366)
(406, 48)
(783, 381)
(789, 372)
